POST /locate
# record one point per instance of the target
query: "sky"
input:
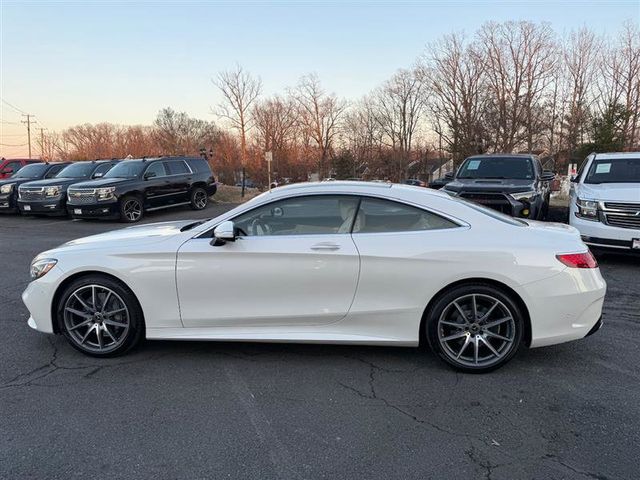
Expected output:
(73, 62)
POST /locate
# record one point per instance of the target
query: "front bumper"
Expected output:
(38, 298)
(597, 234)
(8, 203)
(94, 210)
(56, 206)
(506, 204)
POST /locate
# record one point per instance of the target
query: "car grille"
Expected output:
(623, 215)
(31, 193)
(82, 196)
(496, 201)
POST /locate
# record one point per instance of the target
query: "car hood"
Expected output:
(103, 182)
(63, 181)
(616, 192)
(489, 185)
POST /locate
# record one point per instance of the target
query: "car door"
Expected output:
(179, 176)
(294, 264)
(156, 185)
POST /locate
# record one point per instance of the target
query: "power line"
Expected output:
(14, 107)
(9, 145)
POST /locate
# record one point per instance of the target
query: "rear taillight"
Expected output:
(578, 260)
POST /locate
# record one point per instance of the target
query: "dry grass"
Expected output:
(231, 194)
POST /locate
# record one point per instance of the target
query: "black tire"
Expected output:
(198, 198)
(440, 336)
(127, 337)
(131, 209)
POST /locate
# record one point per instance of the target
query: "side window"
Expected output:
(377, 216)
(312, 215)
(101, 170)
(53, 171)
(155, 170)
(582, 167)
(176, 167)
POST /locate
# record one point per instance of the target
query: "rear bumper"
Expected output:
(565, 307)
(43, 207)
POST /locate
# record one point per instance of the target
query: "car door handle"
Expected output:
(325, 246)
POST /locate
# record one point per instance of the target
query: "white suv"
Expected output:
(605, 200)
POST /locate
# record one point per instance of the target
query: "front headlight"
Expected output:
(41, 267)
(524, 195)
(106, 193)
(587, 209)
(53, 191)
(7, 188)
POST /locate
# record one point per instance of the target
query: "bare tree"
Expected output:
(320, 115)
(454, 74)
(580, 65)
(399, 103)
(240, 90)
(519, 59)
(275, 120)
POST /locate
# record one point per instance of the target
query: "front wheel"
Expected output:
(475, 327)
(99, 316)
(198, 198)
(131, 209)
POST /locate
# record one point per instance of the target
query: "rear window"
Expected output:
(614, 170)
(199, 165)
(177, 167)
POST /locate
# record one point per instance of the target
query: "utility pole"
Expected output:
(268, 156)
(29, 122)
(42, 142)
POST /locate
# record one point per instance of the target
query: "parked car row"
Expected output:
(119, 189)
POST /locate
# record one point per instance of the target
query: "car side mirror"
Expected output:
(548, 175)
(448, 175)
(573, 179)
(223, 233)
(149, 175)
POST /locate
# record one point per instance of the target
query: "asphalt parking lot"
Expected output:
(238, 410)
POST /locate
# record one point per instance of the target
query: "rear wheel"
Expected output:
(100, 317)
(131, 209)
(475, 327)
(198, 198)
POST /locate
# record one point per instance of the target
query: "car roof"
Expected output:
(504, 155)
(613, 155)
(153, 159)
(356, 187)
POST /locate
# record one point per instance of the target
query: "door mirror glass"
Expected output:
(225, 232)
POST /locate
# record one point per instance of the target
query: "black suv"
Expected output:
(49, 197)
(514, 184)
(141, 185)
(28, 173)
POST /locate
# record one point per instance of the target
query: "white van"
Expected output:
(605, 200)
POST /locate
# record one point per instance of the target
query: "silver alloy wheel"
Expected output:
(132, 209)
(96, 318)
(476, 330)
(200, 199)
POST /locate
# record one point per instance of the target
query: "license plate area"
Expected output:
(77, 211)
(635, 243)
(27, 208)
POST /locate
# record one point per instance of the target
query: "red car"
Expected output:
(9, 166)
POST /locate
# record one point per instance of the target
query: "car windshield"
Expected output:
(126, 169)
(516, 168)
(35, 170)
(614, 170)
(77, 170)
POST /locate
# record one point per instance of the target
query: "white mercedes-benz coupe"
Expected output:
(332, 262)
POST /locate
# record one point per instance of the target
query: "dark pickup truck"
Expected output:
(29, 173)
(137, 186)
(49, 197)
(515, 184)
